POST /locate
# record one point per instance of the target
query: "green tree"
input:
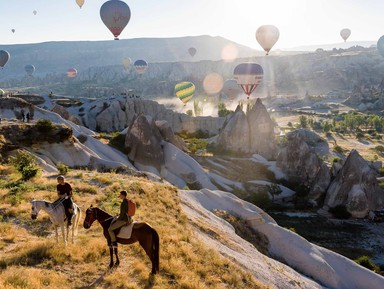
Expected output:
(222, 110)
(303, 121)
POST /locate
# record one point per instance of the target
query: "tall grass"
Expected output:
(37, 262)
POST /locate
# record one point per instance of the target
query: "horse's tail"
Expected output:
(155, 250)
(77, 220)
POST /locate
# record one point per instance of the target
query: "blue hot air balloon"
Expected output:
(4, 57)
(380, 45)
(248, 75)
(140, 66)
(29, 69)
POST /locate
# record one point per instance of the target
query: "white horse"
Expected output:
(57, 215)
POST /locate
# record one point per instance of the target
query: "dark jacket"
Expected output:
(123, 216)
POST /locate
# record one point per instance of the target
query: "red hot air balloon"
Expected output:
(248, 75)
(71, 73)
(115, 14)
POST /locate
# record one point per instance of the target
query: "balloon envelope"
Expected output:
(267, 36)
(4, 57)
(184, 91)
(1, 92)
(29, 69)
(34, 12)
(140, 66)
(115, 14)
(13, 30)
(127, 62)
(231, 89)
(380, 45)
(345, 33)
(80, 3)
(248, 75)
(192, 51)
(71, 72)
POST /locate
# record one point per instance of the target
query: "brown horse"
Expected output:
(141, 232)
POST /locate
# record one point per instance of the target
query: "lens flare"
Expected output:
(213, 83)
(229, 53)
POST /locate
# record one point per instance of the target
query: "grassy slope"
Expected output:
(30, 258)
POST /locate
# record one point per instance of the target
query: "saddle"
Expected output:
(125, 232)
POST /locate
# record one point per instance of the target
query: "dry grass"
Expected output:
(31, 259)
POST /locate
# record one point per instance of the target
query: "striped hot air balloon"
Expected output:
(140, 66)
(248, 75)
(184, 91)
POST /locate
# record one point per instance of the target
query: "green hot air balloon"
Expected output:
(184, 91)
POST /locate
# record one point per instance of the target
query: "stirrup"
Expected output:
(114, 244)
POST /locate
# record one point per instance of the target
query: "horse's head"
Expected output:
(90, 217)
(34, 210)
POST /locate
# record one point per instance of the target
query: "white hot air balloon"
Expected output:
(345, 33)
(267, 36)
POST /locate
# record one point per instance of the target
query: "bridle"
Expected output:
(93, 217)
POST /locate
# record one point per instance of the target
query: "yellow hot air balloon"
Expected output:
(184, 91)
(127, 62)
(267, 36)
(80, 3)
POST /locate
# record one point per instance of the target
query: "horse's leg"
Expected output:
(117, 257)
(57, 235)
(73, 228)
(111, 256)
(63, 232)
(146, 242)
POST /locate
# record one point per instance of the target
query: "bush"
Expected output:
(25, 164)
(63, 168)
(359, 135)
(366, 262)
(379, 148)
(44, 125)
(338, 149)
(340, 212)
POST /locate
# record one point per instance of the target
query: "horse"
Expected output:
(57, 215)
(142, 232)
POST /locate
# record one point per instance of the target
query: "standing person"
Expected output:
(64, 191)
(28, 117)
(22, 115)
(122, 220)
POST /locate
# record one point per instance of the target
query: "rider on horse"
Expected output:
(122, 220)
(64, 191)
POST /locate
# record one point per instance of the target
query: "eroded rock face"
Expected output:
(300, 163)
(356, 187)
(168, 135)
(249, 133)
(143, 142)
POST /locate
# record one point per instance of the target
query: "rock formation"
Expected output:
(356, 187)
(302, 166)
(249, 133)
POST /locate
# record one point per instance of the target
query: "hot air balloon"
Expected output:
(184, 91)
(4, 57)
(267, 36)
(127, 62)
(140, 66)
(13, 30)
(231, 89)
(29, 69)
(345, 33)
(2, 92)
(380, 45)
(34, 12)
(192, 51)
(115, 14)
(248, 75)
(80, 3)
(71, 73)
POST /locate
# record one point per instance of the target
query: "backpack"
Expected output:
(131, 208)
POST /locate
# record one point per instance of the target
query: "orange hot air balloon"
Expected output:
(71, 73)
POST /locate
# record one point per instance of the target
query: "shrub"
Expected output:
(44, 125)
(366, 262)
(359, 135)
(25, 164)
(338, 149)
(379, 148)
(63, 168)
(340, 212)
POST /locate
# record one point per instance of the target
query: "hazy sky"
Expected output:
(301, 22)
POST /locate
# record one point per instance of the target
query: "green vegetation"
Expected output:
(340, 212)
(44, 125)
(366, 262)
(63, 168)
(25, 164)
(222, 110)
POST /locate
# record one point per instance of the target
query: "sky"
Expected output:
(301, 22)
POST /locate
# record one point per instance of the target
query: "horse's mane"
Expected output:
(107, 214)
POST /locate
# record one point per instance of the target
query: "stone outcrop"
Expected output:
(143, 143)
(249, 133)
(301, 165)
(169, 136)
(356, 187)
